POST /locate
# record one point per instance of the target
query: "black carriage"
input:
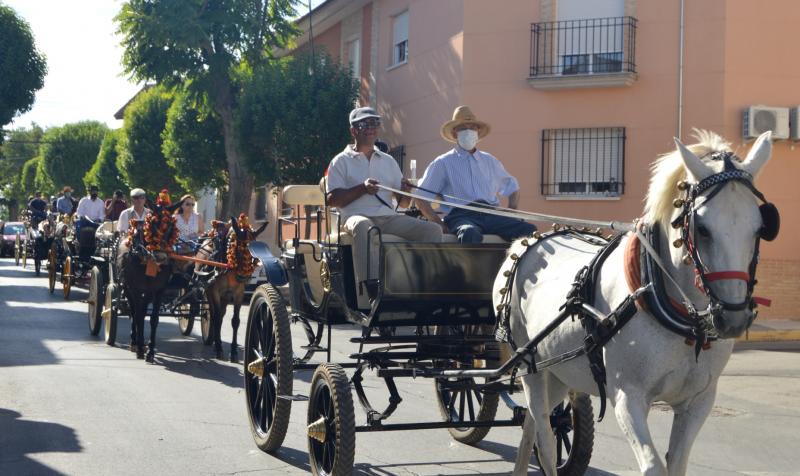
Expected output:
(432, 317)
(31, 243)
(71, 258)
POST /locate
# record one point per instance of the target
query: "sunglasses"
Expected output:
(188, 204)
(363, 125)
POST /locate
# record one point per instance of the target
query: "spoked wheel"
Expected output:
(51, 269)
(110, 314)
(66, 276)
(17, 249)
(205, 326)
(268, 368)
(459, 401)
(331, 422)
(95, 301)
(573, 424)
(186, 320)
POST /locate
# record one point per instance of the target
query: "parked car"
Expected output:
(9, 232)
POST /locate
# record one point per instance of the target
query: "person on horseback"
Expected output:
(137, 212)
(352, 186)
(472, 177)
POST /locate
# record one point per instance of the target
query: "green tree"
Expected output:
(202, 43)
(20, 145)
(27, 178)
(22, 67)
(42, 180)
(293, 123)
(193, 143)
(140, 158)
(104, 172)
(69, 151)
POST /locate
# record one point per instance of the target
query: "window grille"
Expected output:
(583, 162)
(400, 38)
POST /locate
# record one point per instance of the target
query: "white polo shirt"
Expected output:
(127, 215)
(351, 168)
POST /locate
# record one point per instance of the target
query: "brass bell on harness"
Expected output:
(678, 203)
(678, 243)
(537, 235)
(506, 273)
(687, 259)
(676, 224)
(556, 227)
(683, 185)
(503, 290)
(525, 242)
(514, 257)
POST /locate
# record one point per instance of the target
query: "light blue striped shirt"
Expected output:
(469, 177)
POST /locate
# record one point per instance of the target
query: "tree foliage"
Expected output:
(69, 151)
(21, 145)
(104, 172)
(140, 158)
(193, 143)
(27, 178)
(292, 123)
(201, 43)
(22, 67)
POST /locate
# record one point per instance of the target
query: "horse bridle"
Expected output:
(685, 221)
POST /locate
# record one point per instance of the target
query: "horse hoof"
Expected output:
(140, 354)
(151, 357)
(234, 357)
(220, 356)
(132, 347)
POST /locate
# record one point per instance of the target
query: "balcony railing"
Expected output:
(603, 47)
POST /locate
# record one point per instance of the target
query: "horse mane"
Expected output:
(668, 170)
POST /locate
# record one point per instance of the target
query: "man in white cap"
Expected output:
(137, 212)
(469, 176)
(352, 186)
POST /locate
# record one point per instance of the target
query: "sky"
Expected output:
(85, 78)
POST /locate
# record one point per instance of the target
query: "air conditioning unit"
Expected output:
(759, 119)
(794, 123)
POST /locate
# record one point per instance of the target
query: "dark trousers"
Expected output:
(470, 226)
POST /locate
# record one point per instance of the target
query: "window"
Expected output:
(583, 162)
(400, 39)
(261, 203)
(354, 57)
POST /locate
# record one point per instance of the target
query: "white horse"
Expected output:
(645, 362)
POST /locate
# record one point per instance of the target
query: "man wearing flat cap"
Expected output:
(137, 212)
(466, 175)
(352, 186)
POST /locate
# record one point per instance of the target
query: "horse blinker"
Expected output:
(771, 219)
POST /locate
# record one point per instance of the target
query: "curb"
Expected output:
(770, 335)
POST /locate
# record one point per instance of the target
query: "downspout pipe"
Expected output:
(680, 70)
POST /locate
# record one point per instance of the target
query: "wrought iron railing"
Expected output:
(583, 47)
(583, 162)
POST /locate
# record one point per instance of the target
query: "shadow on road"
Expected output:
(20, 438)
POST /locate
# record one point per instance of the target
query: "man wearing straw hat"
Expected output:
(466, 175)
(352, 183)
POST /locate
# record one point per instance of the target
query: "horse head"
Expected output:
(715, 221)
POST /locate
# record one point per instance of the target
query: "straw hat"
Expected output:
(463, 115)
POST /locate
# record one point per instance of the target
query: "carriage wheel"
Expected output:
(51, 269)
(17, 250)
(205, 326)
(268, 368)
(66, 276)
(187, 312)
(331, 422)
(573, 424)
(95, 301)
(460, 402)
(110, 314)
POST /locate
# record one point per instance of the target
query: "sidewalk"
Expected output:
(775, 330)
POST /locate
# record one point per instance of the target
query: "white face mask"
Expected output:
(467, 139)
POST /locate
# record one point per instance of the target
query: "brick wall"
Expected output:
(779, 280)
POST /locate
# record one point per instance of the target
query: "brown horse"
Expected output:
(227, 286)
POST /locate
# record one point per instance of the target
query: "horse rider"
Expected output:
(352, 186)
(37, 208)
(64, 202)
(137, 212)
(474, 177)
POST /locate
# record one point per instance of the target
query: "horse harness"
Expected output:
(696, 326)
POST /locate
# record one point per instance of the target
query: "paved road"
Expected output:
(70, 404)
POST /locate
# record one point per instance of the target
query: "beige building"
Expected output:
(583, 95)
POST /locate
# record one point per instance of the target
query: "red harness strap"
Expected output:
(740, 275)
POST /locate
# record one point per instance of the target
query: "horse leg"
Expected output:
(151, 346)
(631, 410)
(686, 425)
(542, 392)
(237, 305)
(217, 314)
(140, 310)
(132, 344)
